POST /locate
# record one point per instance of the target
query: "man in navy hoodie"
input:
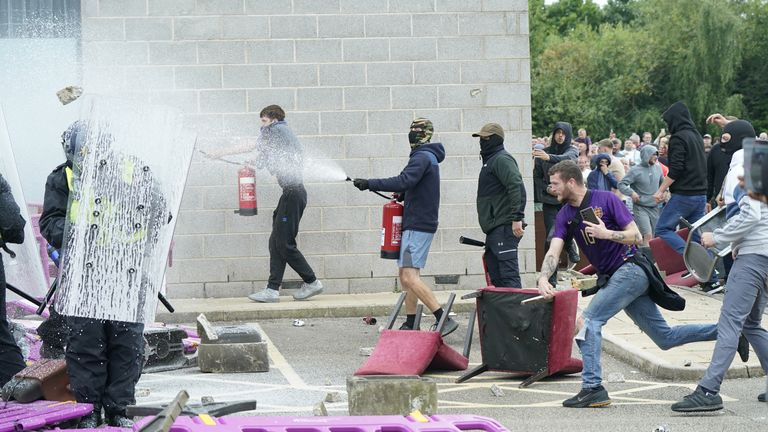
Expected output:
(419, 185)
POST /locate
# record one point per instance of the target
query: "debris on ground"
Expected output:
(366, 351)
(298, 323)
(332, 397)
(319, 409)
(497, 391)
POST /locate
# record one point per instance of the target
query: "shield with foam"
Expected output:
(129, 170)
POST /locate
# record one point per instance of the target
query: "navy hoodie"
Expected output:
(420, 181)
(687, 160)
(557, 153)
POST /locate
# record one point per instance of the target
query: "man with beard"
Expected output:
(559, 149)
(686, 180)
(500, 207)
(628, 280)
(640, 183)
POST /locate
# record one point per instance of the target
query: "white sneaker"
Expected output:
(308, 290)
(267, 295)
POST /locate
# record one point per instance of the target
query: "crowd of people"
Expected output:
(634, 195)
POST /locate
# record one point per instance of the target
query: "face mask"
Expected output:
(414, 136)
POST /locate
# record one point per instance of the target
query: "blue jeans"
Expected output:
(628, 290)
(690, 207)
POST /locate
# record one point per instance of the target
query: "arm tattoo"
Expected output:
(617, 236)
(549, 266)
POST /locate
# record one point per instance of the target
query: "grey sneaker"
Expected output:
(698, 401)
(308, 290)
(449, 327)
(267, 295)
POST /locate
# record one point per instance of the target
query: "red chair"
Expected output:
(671, 262)
(532, 339)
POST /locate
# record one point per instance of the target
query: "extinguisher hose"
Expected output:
(388, 198)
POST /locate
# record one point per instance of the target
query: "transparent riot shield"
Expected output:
(128, 178)
(25, 272)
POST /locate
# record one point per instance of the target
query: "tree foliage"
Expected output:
(619, 67)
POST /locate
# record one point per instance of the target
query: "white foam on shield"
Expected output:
(128, 184)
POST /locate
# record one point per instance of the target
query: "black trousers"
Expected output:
(550, 214)
(501, 257)
(282, 242)
(104, 360)
(11, 360)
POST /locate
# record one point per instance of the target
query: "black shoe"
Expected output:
(710, 286)
(596, 397)
(449, 327)
(743, 348)
(406, 326)
(92, 420)
(120, 421)
(761, 397)
(698, 401)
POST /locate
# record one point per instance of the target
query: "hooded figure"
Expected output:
(687, 161)
(557, 152)
(643, 179)
(719, 158)
(597, 180)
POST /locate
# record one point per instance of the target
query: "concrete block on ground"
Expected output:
(233, 358)
(391, 395)
(229, 334)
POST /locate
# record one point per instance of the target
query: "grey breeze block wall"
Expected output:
(351, 74)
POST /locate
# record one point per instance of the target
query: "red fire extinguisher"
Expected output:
(391, 230)
(246, 182)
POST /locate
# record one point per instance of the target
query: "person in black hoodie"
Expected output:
(559, 149)
(11, 231)
(686, 180)
(719, 158)
(500, 207)
(419, 184)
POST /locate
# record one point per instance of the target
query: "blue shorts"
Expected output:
(414, 248)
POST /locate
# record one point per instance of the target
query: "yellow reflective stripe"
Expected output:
(70, 178)
(207, 420)
(419, 417)
(128, 167)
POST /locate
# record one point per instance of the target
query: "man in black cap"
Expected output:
(500, 207)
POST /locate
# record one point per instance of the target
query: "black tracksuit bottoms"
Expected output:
(104, 362)
(282, 241)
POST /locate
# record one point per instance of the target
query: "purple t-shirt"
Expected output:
(605, 255)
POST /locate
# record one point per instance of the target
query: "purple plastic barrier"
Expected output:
(17, 417)
(436, 423)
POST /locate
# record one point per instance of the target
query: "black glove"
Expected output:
(361, 184)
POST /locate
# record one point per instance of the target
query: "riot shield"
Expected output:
(128, 178)
(26, 270)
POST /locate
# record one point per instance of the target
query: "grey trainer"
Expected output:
(308, 290)
(266, 295)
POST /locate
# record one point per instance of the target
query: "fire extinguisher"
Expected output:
(391, 230)
(246, 182)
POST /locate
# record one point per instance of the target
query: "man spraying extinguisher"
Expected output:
(279, 151)
(419, 185)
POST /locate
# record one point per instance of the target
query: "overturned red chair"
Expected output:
(409, 352)
(533, 339)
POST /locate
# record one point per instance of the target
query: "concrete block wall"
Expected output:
(351, 74)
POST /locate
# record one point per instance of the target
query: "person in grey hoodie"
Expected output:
(744, 302)
(640, 183)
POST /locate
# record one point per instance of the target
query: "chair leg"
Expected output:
(472, 373)
(533, 378)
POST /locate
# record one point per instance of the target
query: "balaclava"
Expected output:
(421, 132)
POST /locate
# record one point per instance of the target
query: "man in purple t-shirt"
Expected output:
(608, 244)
